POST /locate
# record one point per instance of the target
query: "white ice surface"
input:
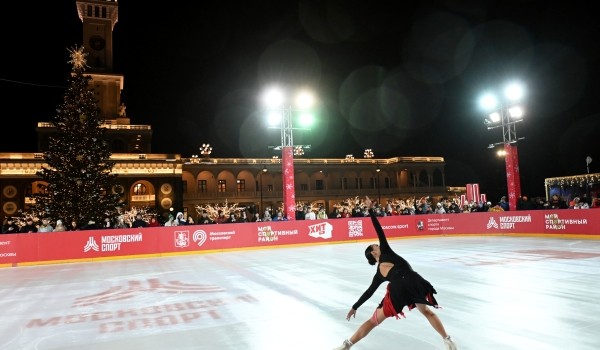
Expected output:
(496, 293)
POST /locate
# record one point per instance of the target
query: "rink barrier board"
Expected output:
(148, 256)
(26, 249)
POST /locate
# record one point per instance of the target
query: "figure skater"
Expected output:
(405, 288)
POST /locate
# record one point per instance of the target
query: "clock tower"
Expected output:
(99, 18)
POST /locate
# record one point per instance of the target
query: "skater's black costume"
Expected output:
(406, 287)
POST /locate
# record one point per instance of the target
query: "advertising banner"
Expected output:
(31, 248)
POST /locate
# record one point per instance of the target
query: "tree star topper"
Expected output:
(78, 57)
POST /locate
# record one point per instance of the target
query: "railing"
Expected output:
(106, 126)
(143, 198)
(316, 161)
(6, 157)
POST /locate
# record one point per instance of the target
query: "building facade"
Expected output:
(168, 182)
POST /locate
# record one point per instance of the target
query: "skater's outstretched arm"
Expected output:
(383, 243)
(377, 281)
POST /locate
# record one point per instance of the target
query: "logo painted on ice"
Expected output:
(322, 230)
(199, 237)
(182, 239)
(91, 245)
(136, 287)
(492, 223)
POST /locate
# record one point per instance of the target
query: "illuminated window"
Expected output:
(241, 185)
(139, 189)
(43, 189)
(222, 186)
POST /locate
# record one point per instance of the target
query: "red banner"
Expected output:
(289, 191)
(513, 176)
(41, 248)
(472, 193)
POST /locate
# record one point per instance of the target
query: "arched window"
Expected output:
(139, 189)
(42, 188)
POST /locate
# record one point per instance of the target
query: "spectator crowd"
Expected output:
(349, 208)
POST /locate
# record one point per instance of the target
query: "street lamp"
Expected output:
(280, 115)
(505, 114)
(264, 170)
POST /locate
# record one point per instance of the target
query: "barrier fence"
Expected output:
(74, 246)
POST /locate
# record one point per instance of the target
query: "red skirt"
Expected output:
(409, 290)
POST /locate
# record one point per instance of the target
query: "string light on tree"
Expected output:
(79, 171)
(213, 210)
(369, 153)
(78, 58)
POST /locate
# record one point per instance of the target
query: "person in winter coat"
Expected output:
(10, 226)
(181, 221)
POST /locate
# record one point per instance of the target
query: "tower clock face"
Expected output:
(97, 43)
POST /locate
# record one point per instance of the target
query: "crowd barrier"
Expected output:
(60, 247)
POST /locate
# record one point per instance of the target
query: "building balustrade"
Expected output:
(143, 198)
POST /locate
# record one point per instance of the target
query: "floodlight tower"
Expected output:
(505, 114)
(281, 113)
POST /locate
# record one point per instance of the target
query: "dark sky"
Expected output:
(400, 77)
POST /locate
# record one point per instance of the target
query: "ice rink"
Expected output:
(497, 292)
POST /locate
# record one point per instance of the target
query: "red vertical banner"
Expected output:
(469, 192)
(513, 178)
(289, 192)
(472, 193)
(517, 176)
(475, 193)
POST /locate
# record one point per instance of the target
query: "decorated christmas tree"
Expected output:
(78, 170)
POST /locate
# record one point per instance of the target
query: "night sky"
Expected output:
(400, 77)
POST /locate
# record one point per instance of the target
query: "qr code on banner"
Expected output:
(355, 228)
